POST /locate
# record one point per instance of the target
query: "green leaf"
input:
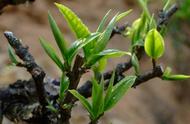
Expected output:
(51, 107)
(64, 84)
(135, 63)
(109, 53)
(12, 55)
(83, 101)
(122, 15)
(167, 71)
(104, 38)
(154, 44)
(102, 65)
(167, 3)
(119, 90)
(58, 37)
(97, 97)
(103, 22)
(77, 45)
(168, 76)
(76, 25)
(143, 4)
(109, 91)
(175, 77)
(51, 53)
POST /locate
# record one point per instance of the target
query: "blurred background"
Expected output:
(155, 102)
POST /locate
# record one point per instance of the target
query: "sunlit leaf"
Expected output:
(51, 53)
(103, 22)
(76, 25)
(104, 38)
(77, 45)
(154, 44)
(61, 43)
(122, 15)
(109, 53)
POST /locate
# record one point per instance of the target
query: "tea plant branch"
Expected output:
(4, 3)
(85, 89)
(29, 63)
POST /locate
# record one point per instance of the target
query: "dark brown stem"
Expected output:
(154, 63)
(36, 71)
(74, 78)
(4, 3)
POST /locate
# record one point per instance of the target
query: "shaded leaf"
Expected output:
(64, 84)
(109, 91)
(83, 101)
(12, 55)
(135, 63)
(119, 90)
(61, 43)
(51, 53)
(97, 98)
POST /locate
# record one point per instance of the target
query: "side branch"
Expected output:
(86, 89)
(29, 63)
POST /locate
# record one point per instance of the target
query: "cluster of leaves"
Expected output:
(142, 33)
(103, 101)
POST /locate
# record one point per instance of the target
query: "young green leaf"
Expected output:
(109, 91)
(109, 53)
(51, 53)
(175, 77)
(12, 55)
(154, 44)
(167, 3)
(64, 84)
(104, 38)
(51, 107)
(76, 25)
(119, 90)
(143, 4)
(97, 98)
(77, 45)
(103, 22)
(122, 15)
(83, 101)
(102, 63)
(168, 76)
(61, 43)
(135, 63)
